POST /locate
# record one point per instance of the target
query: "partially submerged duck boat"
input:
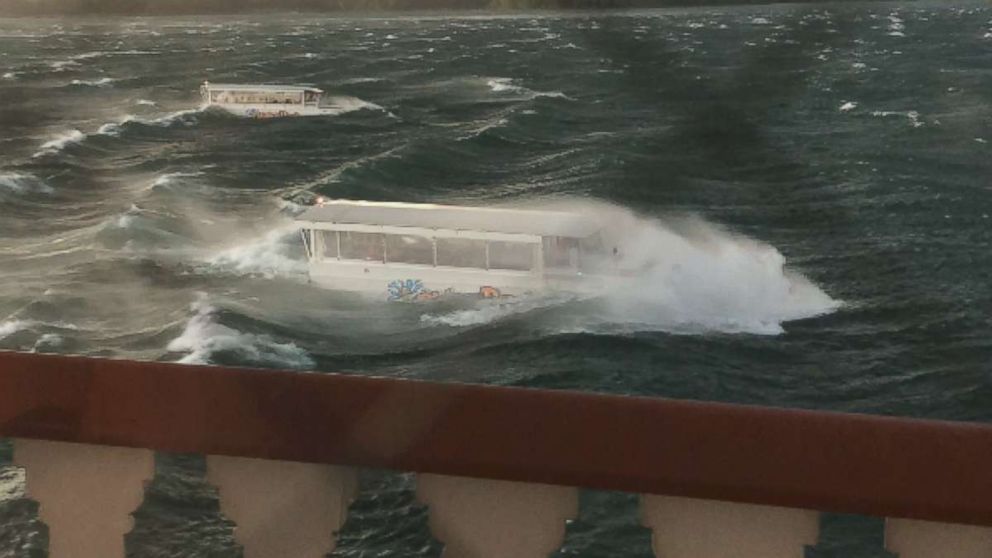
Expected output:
(265, 101)
(409, 251)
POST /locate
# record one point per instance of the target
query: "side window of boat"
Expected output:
(561, 252)
(329, 244)
(461, 252)
(511, 255)
(362, 246)
(408, 248)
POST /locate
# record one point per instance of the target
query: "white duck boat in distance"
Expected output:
(265, 100)
(410, 251)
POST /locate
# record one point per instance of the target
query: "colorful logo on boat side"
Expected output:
(255, 113)
(409, 290)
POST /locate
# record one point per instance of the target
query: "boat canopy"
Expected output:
(430, 216)
(261, 88)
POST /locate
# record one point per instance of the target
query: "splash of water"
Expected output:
(270, 255)
(680, 275)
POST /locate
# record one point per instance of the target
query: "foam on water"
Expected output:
(912, 115)
(506, 85)
(102, 82)
(491, 311)
(203, 337)
(344, 104)
(21, 183)
(9, 75)
(168, 179)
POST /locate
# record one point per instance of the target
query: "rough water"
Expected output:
(814, 181)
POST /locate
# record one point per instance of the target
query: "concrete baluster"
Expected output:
(283, 508)
(86, 494)
(924, 539)
(691, 528)
(480, 518)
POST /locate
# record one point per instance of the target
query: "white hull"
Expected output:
(401, 282)
(273, 111)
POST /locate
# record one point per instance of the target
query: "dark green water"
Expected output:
(849, 141)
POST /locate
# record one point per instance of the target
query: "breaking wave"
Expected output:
(204, 338)
(102, 82)
(22, 183)
(60, 142)
(56, 145)
(506, 85)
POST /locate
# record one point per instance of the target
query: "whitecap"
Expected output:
(146, 102)
(114, 128)
(63, 65)
(48, 342)
(848, 106)
(11, 327)
(912, 115)
(10, 75)
(507, 85)
(203, 337)
(60, 142)
(760, 21)
(168, 179)
(102, 82)
(187, 117)
(22, 183)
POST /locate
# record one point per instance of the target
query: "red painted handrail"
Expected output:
(890, 467)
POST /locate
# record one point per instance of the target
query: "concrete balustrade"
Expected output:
(499, 468)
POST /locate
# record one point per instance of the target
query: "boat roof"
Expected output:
(261, 87)
(451, 217)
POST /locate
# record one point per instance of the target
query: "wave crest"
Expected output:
(204, 339)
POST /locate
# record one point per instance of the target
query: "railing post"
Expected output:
(925, 539)
(691, 528)
(85, 493)
(283, 508)
(481, 518)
